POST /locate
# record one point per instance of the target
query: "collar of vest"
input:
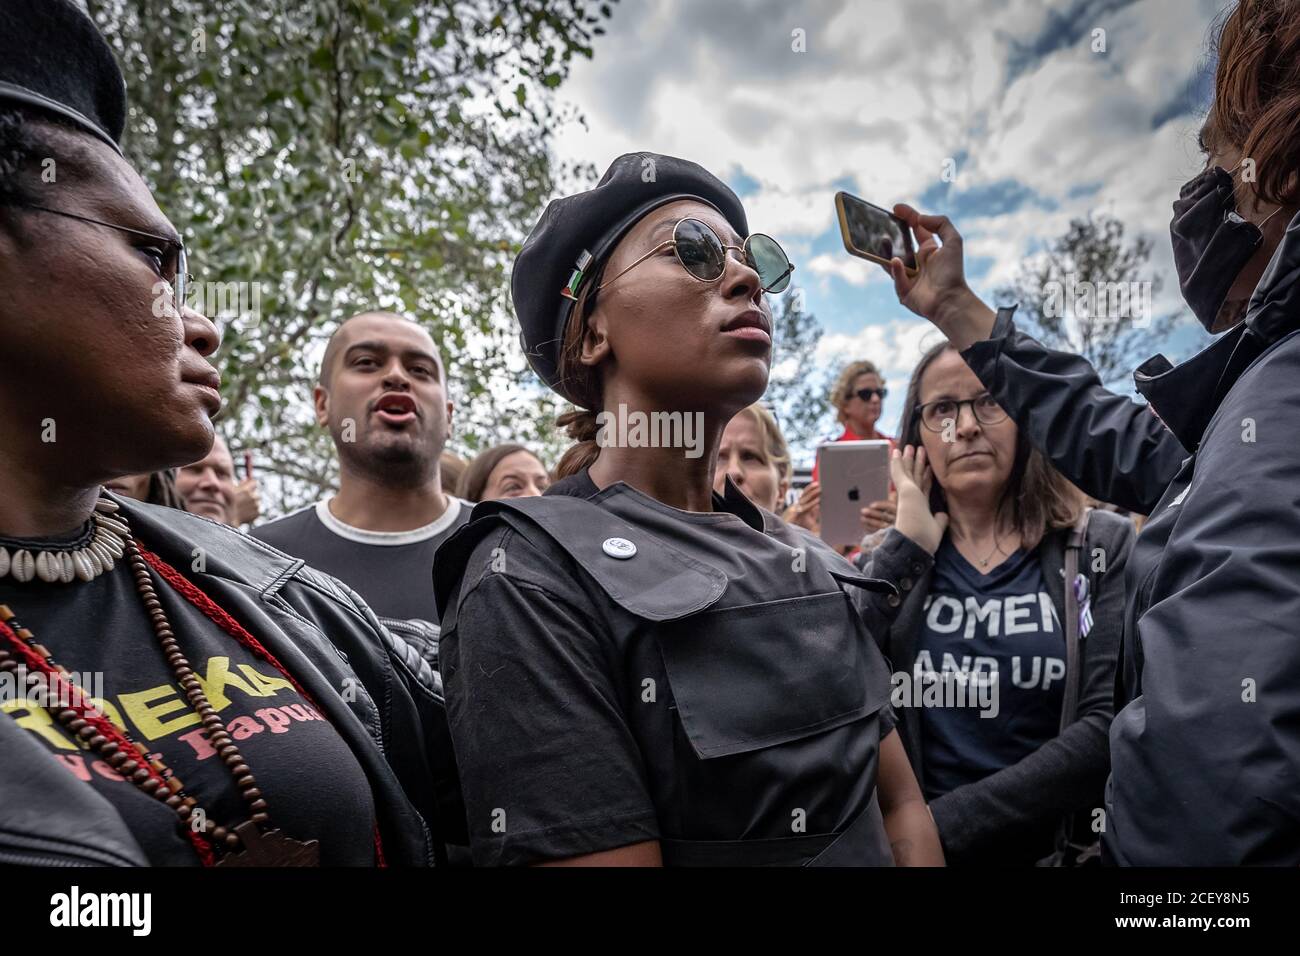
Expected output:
(659, 582)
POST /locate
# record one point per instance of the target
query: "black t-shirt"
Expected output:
(390, 570)
(999, 626)
(312, 783)
(573, 737)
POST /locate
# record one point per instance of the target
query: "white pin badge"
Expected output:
(620, 548)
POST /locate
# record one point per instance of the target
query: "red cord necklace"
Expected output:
(251, 843)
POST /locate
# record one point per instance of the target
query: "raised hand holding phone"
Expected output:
(937, 290)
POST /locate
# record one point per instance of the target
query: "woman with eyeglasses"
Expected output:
(1205, 747)
(190, 696)
(1005, 706)
(640, 670)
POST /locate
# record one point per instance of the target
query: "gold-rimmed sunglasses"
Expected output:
(703, 254)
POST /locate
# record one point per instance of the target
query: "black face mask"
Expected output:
(1211, 243)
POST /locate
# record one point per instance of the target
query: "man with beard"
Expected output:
(382, 395)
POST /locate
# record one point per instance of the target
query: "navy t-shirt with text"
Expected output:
(1000, 627)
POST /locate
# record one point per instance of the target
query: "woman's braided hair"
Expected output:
(580, 384)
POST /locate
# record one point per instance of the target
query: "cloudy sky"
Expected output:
(1039, 126)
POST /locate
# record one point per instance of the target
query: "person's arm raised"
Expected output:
(1108, 445)
(938, 291)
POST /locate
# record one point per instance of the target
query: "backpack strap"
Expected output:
(642, 573)
(1068, 851)
(1073, 545)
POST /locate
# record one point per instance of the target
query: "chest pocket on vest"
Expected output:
(766, 674)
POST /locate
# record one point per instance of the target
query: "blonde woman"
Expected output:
(754, 455)
(857, 397)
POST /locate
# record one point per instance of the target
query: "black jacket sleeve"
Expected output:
(1207, 757)
(409, 696)
(1068, 772)
(898, 560)
(1113, 448)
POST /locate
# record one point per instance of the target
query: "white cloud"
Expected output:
(894, 346)
(856, 272)
(884, 94)
(789, 214)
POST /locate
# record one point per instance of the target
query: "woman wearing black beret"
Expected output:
(641, 671)
(171, 692)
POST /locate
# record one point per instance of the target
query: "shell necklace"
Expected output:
(107, 544)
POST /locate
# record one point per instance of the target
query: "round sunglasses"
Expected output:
(703, 254)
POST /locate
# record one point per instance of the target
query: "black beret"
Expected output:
(586, 228)
(53, 58)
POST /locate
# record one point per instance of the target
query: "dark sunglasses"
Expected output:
(704, 255)
(866, 393)
(177, 268)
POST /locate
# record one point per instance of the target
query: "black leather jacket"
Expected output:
(326, 636)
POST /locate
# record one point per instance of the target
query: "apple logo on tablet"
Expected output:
(853, 493)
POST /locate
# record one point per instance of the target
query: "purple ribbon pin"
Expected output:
(1084, 600)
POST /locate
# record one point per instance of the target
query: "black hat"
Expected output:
(576, 233)
(53, 58)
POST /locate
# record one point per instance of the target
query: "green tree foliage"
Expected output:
(797, 389)
(1086, 295)
(345, 155)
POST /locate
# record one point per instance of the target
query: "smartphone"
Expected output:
(853, 474)
(873, 233)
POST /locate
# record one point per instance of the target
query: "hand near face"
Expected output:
(806, 512)
(912, 478)
(248, 502)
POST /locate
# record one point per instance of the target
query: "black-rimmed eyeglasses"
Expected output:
(935, 415)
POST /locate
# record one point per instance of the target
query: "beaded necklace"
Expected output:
(251, 843)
